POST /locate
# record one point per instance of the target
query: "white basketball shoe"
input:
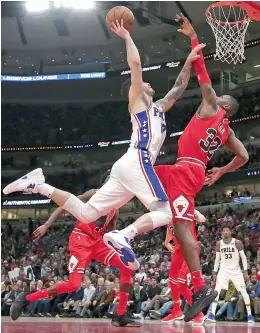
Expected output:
(27, 184)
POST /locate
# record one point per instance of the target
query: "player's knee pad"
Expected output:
(161, 214)
(82, 211)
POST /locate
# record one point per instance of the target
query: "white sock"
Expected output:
(46, 190)
(248, 309)
(130, 232)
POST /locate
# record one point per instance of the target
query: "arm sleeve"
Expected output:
(243, 258)
(199, 65)
(217, 261)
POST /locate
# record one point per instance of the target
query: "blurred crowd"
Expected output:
(43, 125)
(29, 267)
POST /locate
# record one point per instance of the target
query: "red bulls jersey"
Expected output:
(95, 229)
(203, 136)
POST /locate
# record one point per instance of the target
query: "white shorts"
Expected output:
(132, 175)
(224, 276)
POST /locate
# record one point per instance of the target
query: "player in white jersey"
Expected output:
(229, 251)
(133, 174)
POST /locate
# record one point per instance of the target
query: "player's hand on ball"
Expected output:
(40, 232)
(119, 29)
(187, 28)
(212, 176)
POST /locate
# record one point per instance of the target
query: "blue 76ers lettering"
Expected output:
(157, 112)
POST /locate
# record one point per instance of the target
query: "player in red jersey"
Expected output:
(207, 131)
(85, 243)
(178, 276)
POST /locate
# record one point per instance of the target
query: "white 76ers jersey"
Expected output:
(229, 255)
(149, 130)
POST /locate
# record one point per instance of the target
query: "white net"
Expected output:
(229, 25)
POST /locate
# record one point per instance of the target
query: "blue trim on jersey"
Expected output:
(152, 176)
(144, 130)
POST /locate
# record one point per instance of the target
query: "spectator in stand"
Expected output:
(253, 289)
(9, 298)
(84, 304)
(230, 305)
(152, 290)
(166, 262)
(71, 301)
(136, 298)
(141, 275)
(105, 301)
(96, 297)
(154, 257)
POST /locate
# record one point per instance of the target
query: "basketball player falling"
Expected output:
(178, 276)
(228, 253)
(207, 131)
(85, 244)
(133, 174)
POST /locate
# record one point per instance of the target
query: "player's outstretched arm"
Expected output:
(209, 103)
(241, 158)
(134, 62)
(181, 82)
(41, 231)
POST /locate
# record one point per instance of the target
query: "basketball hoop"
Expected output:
(229, 21)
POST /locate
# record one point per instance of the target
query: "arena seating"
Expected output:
(49, 259)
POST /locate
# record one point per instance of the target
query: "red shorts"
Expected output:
(179, 269)
(82, 252)
(182, 181)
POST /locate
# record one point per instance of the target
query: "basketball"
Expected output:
(120, 13)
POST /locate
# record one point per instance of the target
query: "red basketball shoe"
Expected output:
(174, 315)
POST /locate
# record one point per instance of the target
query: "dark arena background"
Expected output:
(62, 111)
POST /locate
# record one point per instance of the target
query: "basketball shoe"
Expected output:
(27, 184)
(211, 317)
(200, 300)
(120, 244)
(199, 319)
(125, 321)
(18, 305)
(174, 315)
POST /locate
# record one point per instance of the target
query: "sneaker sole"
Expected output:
(127, 325)
(206, 302)
(114, 245)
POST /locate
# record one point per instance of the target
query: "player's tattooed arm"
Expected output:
(181, 82)
(41, 231)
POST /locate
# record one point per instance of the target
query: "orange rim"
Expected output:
(251, 8)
